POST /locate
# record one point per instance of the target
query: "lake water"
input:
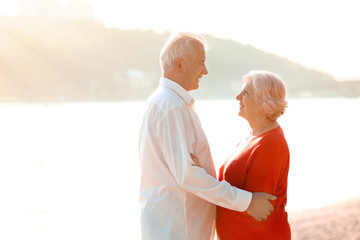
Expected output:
(71, 170)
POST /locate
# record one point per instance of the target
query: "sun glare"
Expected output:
(8, 8)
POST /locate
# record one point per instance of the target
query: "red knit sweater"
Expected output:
(261, 165)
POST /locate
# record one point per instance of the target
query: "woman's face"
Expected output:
(249, 106)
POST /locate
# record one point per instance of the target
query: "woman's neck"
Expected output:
(260, 125)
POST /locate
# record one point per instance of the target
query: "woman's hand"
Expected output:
(196, 160)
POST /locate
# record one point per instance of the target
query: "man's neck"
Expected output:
(174, 78)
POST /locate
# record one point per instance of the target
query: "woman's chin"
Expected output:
(241, 114)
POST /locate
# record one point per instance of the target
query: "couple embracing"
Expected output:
(181, 195)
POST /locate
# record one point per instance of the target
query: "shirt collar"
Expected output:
(179, 90)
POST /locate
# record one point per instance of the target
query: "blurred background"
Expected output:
(75, 74)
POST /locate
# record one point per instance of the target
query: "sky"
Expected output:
(319, 34)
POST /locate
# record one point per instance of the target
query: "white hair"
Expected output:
(270, 92)
(180, 45)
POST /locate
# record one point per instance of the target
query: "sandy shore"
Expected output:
(335, 222)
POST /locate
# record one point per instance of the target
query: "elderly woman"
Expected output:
(260, 163)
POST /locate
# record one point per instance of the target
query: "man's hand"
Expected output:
(260, 207)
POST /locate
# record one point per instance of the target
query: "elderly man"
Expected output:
(177, 196)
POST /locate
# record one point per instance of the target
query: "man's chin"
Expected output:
(194, 87)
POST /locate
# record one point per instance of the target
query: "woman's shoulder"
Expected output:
(273, 138)
(276, 132)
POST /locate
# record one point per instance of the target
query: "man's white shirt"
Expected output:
(177, 197)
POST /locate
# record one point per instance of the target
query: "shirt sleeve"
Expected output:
(176, 141)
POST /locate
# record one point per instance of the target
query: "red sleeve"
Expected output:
(221, 172)
(269, 160)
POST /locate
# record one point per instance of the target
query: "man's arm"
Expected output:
(176, 147)
(260, 207)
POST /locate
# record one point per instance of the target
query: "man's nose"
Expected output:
(205, 71)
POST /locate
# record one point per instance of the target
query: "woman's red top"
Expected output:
(258, 165)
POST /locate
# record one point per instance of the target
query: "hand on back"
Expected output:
(260, 207)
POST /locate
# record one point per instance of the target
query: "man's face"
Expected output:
(194, 69)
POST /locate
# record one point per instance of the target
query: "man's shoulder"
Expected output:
(166, 99)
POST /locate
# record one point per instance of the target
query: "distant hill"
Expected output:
(63, 60)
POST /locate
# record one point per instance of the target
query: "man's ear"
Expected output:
(179, 64)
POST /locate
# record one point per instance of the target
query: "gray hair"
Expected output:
(180, 45)
(270, 92)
